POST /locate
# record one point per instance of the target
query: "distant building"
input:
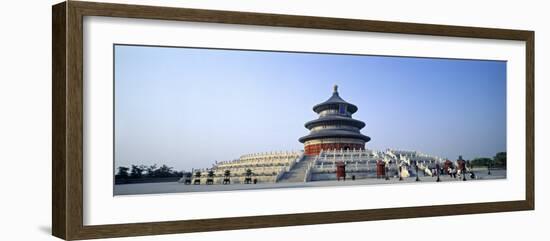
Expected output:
(335, 129)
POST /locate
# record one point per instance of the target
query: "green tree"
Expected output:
(136, 171)
(481, 161)
(500, 159)
(179, 174)
(151, 170)
(122, 172)
(164, 171)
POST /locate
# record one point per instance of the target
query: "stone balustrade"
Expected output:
(265, 167)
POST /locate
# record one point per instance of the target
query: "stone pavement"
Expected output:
(174, 187)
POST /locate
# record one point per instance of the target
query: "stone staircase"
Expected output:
(298, 171)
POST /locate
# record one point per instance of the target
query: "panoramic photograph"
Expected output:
(192, 119)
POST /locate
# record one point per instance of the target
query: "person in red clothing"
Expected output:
(340, 170)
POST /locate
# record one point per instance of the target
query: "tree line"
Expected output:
(143, 171)
(499, 160)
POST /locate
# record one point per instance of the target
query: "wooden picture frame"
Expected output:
(67, 125)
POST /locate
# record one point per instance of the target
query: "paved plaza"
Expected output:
(175, 187)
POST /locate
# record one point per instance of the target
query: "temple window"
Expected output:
(342, 109)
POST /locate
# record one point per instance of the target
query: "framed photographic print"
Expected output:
(171, 120)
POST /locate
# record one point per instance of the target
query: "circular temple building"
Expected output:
(335, 128)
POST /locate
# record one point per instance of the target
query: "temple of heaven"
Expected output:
(335, 128)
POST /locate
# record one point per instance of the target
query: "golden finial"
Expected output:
(335, 88)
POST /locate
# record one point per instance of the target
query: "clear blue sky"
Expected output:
(188, 107)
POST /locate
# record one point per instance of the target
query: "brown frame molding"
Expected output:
(67, 123)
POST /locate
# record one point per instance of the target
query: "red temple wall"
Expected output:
(314, 149)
